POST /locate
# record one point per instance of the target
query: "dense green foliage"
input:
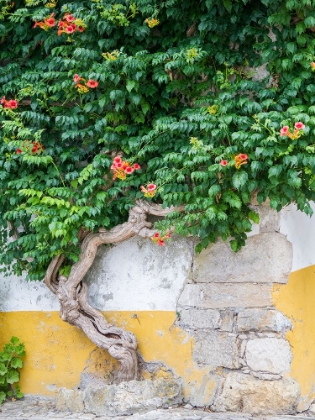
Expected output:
(10, 362)
(176, 93)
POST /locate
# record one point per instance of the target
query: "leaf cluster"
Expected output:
(177, 98)
(10, 363)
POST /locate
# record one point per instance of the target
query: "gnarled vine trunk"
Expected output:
(72, 292)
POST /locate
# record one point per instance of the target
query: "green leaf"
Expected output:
(228, 5)
(19, 394)
(13, 376)
(239, 179)
(3, 369)
(16, 362)
(253, 216)
(234, 245)
(14, 340)
(2, 397)
(214, 190)
(131, 84)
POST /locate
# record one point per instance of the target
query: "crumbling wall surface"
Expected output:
(233, 332)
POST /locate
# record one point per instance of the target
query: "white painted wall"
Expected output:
(139, 275)
(300, 231)
(134, 275)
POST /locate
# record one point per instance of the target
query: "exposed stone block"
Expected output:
(269, 219)
(199, 318)
(227, 321)
(226, 295)
(202, 393)
(216, 349)
(250, 395)
(262, 320)
(69, 400)
(269, 355)
(132, 397)
(265, 258)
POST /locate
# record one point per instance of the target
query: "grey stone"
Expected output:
(258, 73)
(312, 409)
(202, 393)
(270, 355)
(245, 393)
(269, 220)
(265, 258)
(199, 318)
(216, 349)
(269, 335)
(243, 337)
(69, 400)
(262, 320)
(265, 376)
(243, 347)
(227, 321)
(226, 295)
(88, 378)
(132, 397)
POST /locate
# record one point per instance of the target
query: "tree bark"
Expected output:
(72, 292)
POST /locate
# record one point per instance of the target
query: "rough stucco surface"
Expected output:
(17, 295)
(137, 274)
(134, 275)
(300, 231)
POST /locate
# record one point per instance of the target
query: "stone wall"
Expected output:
(227, 306)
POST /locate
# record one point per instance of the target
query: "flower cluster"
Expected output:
(30, 146)
(150, 191)
(157, 239)
(47, 23)
(152, 22)
(82, 85)
(12, 103)
(69, 24)
(122, 168)
(240, 160)
(298, 131)
(111, 56)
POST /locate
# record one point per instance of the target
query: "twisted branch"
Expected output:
(73, 293)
